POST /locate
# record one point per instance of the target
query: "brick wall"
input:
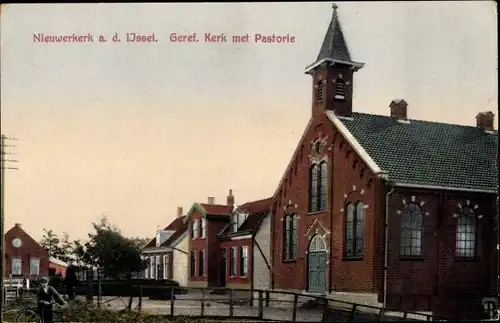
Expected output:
(28, 249)
(195, 245)
(238, 281)
(439, 281)
(351, 180)
(213, 252)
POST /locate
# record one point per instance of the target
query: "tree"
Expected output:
(57, 248)
(118, 257)
(141, 242)
(66, 247)
(51, 242)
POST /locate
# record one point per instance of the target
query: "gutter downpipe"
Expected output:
(386, 243)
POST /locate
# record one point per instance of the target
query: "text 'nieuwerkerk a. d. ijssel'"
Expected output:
(178, 38)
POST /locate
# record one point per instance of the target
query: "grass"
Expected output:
(94, 314)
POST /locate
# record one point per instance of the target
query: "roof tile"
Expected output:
(429, 153)
(177, 225)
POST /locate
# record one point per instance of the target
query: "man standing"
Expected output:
(46, 296)
(71, 281)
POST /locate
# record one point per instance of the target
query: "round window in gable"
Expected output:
(318, 147)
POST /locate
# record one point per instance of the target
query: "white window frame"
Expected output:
(466, 236)
(203, 232)
(232, 262)
(34, 264)
(157, 263)
(194, 229)
(151, 267)
(243, 261)
(166, 266)
(146, 270)
(19, 265)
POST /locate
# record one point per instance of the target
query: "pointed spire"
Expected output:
(334, 47)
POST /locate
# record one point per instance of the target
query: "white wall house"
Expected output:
(167, 253)
(180, 259)
(262, 255)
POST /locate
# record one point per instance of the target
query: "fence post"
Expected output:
(295, 301)
(202, 301)
(90, 286)
(268, 296)
(381, 314)
(231, 308)
(353, 312)
(139, 306)
(325, 310)
(99, 287)
(261, 305)
(172, 300)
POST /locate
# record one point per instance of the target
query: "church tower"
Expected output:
(333, 72)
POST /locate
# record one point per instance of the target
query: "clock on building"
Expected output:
(17, 242)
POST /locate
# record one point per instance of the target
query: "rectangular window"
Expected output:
(152, 267)
(34, 266)
(166, 266)
(194, 229)
(146, 271)
(203, 228)
(243, 261)
(201, 263)
(193, 263)
(232, 262)
(158, 264)
(17, 266)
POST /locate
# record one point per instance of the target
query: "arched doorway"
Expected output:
(317, 265)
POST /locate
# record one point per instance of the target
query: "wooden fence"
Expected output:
(254, 304)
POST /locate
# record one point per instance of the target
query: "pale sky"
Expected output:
(135, 130)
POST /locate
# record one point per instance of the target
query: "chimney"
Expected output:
(230, 199)
(484, 120)
(211, 200)
(399, 109)
(180, 213)
(18, 225)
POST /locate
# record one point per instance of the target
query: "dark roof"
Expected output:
(216, 209)
(334, 45)
(257, 210)
(178, 226)
(209, 209)
(429, 153)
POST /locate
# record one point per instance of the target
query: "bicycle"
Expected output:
(31, 314)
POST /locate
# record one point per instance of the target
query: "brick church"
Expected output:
(385, 208)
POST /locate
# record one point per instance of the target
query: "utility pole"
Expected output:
(4, 163)
(497, 318)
